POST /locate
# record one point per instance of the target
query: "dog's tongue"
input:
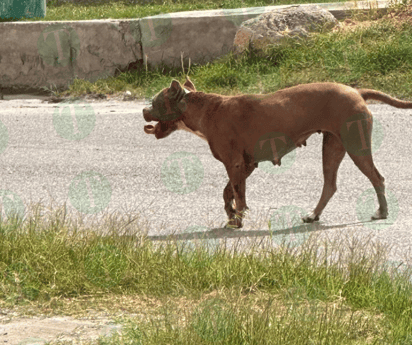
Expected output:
(149, 129)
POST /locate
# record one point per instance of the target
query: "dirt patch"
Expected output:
(72, 320)
(39, 330)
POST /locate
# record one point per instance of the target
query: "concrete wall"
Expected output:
(52, 54)
(37, 54)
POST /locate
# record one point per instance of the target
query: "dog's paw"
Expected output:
(379, 215)
(310, 218)
(234, 224)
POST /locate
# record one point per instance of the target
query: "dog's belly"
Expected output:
(302, 138)
(279, 147)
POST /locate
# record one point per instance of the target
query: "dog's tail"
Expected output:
(383, 97)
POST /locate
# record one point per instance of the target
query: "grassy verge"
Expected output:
(378, 57)
(323, 292)
(82, 10)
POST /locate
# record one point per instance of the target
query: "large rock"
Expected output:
(272, 27)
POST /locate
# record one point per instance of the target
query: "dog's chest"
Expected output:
(181, 125)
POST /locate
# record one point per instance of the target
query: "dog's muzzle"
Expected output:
(147, 114)
(149, 129)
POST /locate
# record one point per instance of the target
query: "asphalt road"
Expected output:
(95, 156)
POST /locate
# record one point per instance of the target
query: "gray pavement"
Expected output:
(95, 156)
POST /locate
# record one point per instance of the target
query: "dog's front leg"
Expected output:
(228, 197)
(236, 188)
(235, 218)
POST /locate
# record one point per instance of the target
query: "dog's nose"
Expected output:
(147, 115)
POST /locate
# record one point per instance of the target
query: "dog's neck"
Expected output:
(196, 103)
(181, 125)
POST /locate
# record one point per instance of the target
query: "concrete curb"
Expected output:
(51, 54)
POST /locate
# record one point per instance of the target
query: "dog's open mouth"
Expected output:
(149, 129)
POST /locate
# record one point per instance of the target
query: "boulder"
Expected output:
(272, 27)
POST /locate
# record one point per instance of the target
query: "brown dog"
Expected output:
(245, 130)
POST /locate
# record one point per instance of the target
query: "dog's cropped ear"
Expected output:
(189, 85)
(175, 86)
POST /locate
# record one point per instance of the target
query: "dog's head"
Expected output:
(167, 109)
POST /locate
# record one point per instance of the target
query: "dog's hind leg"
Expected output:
(365, 164)
(333, 152)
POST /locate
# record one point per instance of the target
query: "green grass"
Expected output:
(57, 10)
(259, 295)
